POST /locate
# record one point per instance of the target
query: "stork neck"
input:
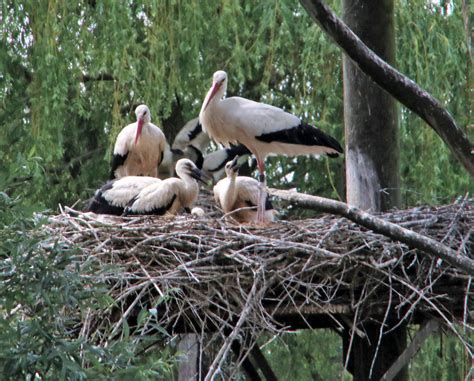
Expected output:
(144, 126)
(215, 100)
(189, 190)
(230, 197)
(189, 182)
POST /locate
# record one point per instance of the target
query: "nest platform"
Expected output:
(208, 275)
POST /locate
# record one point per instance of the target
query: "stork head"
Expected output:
(185, 168)
(219, 86)
(143, 117)
(232, 167)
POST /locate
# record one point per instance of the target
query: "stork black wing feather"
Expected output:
(98, 204)
(199, 157)
(117, 161)
(303, 134)
(158, 211)
(231, 152)
(195, 131)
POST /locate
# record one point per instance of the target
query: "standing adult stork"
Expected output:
(170, 195)
(239, 195)
(139, 147)
(262, 128)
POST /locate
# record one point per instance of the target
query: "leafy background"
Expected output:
(71, 74)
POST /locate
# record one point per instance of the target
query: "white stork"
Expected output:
(139, 147)
(170, 158)
(214, 162)
(191, 134)
(113, 196)
(170, 195)
(236, 192)
(189, 143)
(262, 128)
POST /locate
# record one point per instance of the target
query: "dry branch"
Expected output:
(378, 225)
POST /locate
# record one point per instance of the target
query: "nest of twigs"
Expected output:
(210, 275)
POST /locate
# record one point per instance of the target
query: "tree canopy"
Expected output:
(72, 74)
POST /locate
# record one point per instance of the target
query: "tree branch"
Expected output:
(378, 225)
(249, 368)
(262, 363)
(398, 85)
(221, 355)
(425, 331)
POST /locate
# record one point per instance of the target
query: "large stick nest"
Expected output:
(208, 274)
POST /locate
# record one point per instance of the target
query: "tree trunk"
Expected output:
(188, 366)
(370, 114)
(361, 361)
(372, 163)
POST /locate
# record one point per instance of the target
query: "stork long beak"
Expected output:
(234, 164)
(139, 129)
(215, 88)
(199, 175)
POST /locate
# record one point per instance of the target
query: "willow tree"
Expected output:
(72, 72)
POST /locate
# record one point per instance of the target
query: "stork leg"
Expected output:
(262, 193)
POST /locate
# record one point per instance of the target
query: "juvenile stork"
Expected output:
(170, 195)
(235, 192)
(214, 162)
(139, 147)
(262, 128)
(113, 196)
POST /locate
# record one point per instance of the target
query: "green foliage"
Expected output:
(307, 355)
(431, 50)
(44, 294)
(71, 73)
(440, 358)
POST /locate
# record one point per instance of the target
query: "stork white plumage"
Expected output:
(139, 147)
(170, 195)
(114, 196)
(190, 143)
(191, 134)
(262, 128)
(167, 165)
(214, 162)
(241, 192)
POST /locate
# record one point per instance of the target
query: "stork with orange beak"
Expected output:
(139, 147)
(262, 128)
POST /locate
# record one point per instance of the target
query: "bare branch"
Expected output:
(378, 225)
(398, 85)
(425, 331)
